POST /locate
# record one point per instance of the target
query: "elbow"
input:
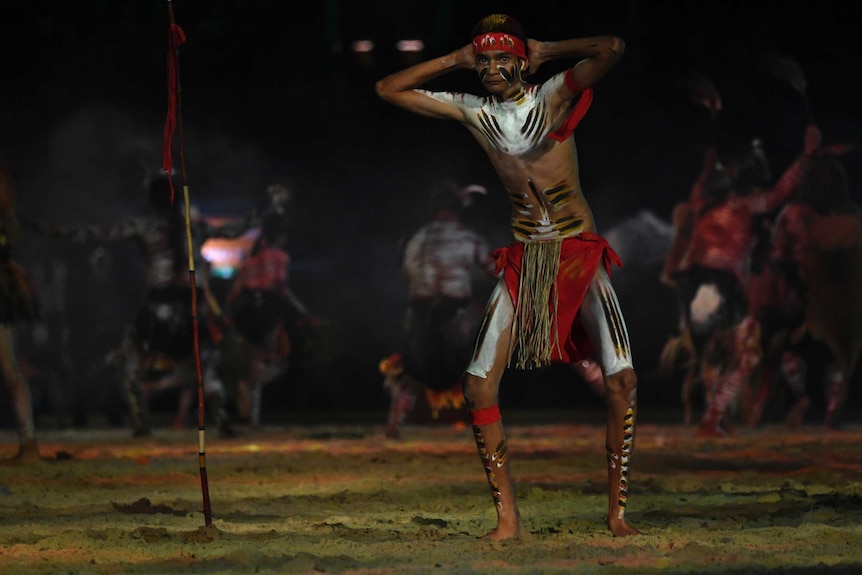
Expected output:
(617, 47)
(380, 88)
(383, 90)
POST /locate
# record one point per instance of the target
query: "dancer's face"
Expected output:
(499, 71)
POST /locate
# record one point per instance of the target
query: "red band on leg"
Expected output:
(487, 416)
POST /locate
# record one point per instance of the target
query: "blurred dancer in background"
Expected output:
(263, 309)
(159, 342)
(442, 315)
(818, 245)
(18, 303)
(714, 276)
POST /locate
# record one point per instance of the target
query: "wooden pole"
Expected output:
(176, 37)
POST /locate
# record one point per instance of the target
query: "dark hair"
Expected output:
(273, 229)
(500, 23)
(444, 196)
(717, 186)
(752, 165)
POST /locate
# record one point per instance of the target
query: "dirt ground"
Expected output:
(340, 498)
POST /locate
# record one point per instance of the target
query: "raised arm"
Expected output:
(400, 88)
(772, 198)
(127, 229)
(598, 54)
(698, 197)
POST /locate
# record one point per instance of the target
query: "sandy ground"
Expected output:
(340, 498)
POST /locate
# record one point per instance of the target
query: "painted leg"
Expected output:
(795, 371)
(130, 366)
(137, 406)
(712, 424)
(216, 403)
(402, 401)
(256, 397)
(22, 403)
(494, 453)
(481, 395)
(216, 395)
(253, 390)
(591, 372)
(243, 400)
(836, 389)
(184, 406)
(759, 394)
(747, 357)
(620, 435)
(688, 383)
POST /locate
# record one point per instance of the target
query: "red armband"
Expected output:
(571, 83)
(487, 416)
(578, 111)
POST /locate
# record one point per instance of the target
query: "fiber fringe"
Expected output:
(534, 326)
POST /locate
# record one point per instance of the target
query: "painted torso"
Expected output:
(540, 174)
(440, 258)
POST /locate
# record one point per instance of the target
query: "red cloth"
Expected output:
(265, 270)
(176, 38)
(580, 257)
(578, 111)
(722, 236)
(721, 239)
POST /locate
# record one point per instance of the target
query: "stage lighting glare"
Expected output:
(362, 46)
(410, 45)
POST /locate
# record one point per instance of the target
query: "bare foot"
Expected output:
(504, 533)
(707, 430)
(28, 452)
(797, 413)
(622, 529)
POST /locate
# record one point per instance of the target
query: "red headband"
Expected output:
(500, 41)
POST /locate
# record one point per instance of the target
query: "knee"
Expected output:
(479, 392)
(623, 383)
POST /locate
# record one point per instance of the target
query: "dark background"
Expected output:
(271, 91)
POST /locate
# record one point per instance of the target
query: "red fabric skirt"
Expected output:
(580, 257)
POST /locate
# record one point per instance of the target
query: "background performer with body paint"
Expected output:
(554, 301)
(441, 263)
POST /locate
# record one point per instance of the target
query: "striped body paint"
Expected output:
(548, 203)
(516, 125)
(614, 319)
(491, 462)
(546, 198)
(622, 460)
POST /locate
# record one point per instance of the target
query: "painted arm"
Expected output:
(597, 54)
(81, 233)
(400, 88)
(791, 178)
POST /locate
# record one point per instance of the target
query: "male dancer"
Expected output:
(554, 301)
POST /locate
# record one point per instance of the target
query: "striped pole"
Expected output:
(173, 122)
